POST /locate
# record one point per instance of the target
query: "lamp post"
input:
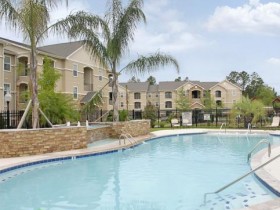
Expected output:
(8, 98)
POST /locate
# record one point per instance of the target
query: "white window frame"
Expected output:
(233, 92)
(100, 74)
(137, 103)
(122, 105)
(75, 70)
(10, 64)
(75, 93)
(136, 96)
(5, 90)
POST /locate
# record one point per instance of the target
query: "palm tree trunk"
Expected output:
(33, 75)
(115, 93)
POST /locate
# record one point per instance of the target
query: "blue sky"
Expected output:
(209, 38)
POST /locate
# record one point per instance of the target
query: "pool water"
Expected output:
(166, 173)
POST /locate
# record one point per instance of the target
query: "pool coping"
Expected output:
(273, 184)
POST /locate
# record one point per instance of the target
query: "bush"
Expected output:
(162, 124)
(150, 113)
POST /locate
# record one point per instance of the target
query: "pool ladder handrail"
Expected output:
(223, 124)
(249, 128)
(240, 178)
(263, 141)
(127, 136)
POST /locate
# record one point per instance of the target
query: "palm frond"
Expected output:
(125, 27)
(9, 11)
(151, 63)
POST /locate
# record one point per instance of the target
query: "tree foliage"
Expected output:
(182, 100)
(58, 107)
(252, 110)
(151, 80)
(253, 86)
(208, 101)
(150, 112)
(134, 79)
(119, 25)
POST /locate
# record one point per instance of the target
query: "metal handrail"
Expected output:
(237, 180)
(224, 124)
(249, 128)
(263, 141)
(127, 137)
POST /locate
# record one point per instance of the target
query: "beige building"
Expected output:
(165, 94)
(81, 75)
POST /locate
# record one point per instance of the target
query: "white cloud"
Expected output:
(165, 31)
(274, 61)
(252, 17)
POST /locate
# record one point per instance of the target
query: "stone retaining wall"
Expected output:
(133, 127)
(15, 143)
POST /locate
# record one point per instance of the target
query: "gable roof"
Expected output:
(136, 86)
(169, 86)
(14, 42)
(153, 88)
(62, 49)
(205, 85)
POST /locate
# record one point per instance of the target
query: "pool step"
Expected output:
(254, 195)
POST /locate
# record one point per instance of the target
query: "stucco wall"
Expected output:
(14, 143)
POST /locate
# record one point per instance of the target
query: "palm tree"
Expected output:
(32, 18)
(114, 44)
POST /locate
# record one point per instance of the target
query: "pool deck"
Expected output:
(269, 174)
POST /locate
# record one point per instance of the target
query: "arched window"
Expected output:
(168, 104)
(218, 94)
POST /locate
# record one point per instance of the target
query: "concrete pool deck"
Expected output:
(270, 174)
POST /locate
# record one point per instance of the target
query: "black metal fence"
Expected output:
(161, 118)
(199, 118)
(10, 119)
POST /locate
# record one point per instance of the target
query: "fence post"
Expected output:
(133, 114)
(158, 116)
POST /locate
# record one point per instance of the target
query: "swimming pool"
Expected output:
(166, 173)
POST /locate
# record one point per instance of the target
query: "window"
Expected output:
(156, 95)
(168, 95)
(100, 75)
(110, 96)
(7, 88)
(75, 70)
(121, 104)
(7, 63)
(137, 105)
(218, 94)
(137, 96)
(121, 94)
(150, 95)
(168, 104)
(157, 104)
(75, 92)
(233, 92)
(196, 94)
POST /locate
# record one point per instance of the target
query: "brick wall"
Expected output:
(14, 143)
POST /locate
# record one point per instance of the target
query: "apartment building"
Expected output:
(165, 94)
(81, 75)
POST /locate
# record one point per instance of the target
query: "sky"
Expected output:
(208, 38)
